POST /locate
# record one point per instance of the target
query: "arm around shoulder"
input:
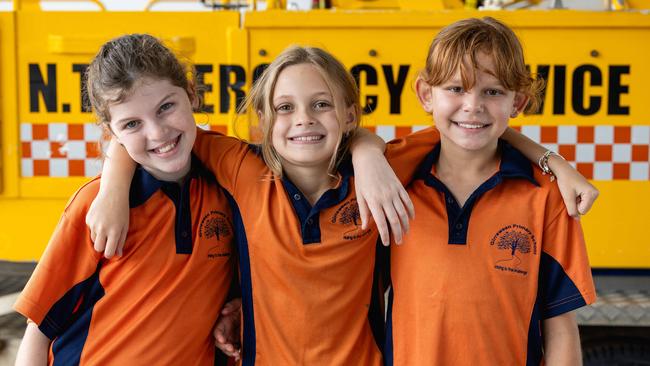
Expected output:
(34, 347)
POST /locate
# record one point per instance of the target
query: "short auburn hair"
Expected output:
(457, 45)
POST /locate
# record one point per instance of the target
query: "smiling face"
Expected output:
(471, 119)
(156, 127)
(306, 130)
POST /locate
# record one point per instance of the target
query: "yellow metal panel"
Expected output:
(616, 229)
(9, 172)
(27, 226)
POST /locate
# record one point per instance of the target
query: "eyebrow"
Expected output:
(162, 100)
(318, 94)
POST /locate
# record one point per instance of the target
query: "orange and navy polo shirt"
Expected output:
(471, 285)
(307, 272)
(156, 305)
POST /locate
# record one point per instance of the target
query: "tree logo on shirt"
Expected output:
(348, 215)
(215, 225)
(514, 242)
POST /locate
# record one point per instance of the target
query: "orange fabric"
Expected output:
(310, 301)
(159, 307)
(472, 304)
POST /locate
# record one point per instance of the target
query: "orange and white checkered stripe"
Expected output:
(599, 152)
(64, 149)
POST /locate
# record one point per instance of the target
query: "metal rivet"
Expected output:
(296, 197)
(262, 52)
(594, 53)
(372, 53)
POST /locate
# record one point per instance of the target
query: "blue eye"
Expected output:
(131, 125)
(166, 106)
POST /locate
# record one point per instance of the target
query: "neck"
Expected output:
(311, 181)
(462, 171)
(458, 160)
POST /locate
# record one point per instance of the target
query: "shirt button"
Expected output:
(296, 197)
(459, 226)
(184, 234)
(450, 200)
(310, 222)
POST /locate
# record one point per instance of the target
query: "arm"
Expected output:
(562, 341)
(33, 348)
(227, 330)
(578, 194)
(388, 202)
(108, 215)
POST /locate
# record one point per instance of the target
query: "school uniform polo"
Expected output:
(307, 271)
(156, 305)
(471, 285)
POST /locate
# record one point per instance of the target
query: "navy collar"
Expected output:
(308, 215)
(144, 185)
(513, 165)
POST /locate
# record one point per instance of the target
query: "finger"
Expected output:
(121, 243)
(111, 246)
(402, 215)
(406, 199)
(586, 201)
(364, 213)
(380, 222)
(395, 223)
(92, 235)
(100, 242)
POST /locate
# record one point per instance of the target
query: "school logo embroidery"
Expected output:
(216, 225)
(515, 242)
(348, 215)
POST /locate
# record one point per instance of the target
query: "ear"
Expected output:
(193, 95)
(519, 104)
(351, 118)
(424, 92)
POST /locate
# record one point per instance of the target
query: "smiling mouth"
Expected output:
(470, 126)
(310, 138)
(169, 146)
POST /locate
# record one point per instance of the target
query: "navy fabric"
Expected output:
(558, 294)
(68, 321)
(376, 310)
(534, 347)
(388, 347)
(514, 165)
(249, 341)
(308, 215)
(144, 185)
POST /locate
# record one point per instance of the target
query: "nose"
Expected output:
(473, 103)
(304, 117)
(157, 130)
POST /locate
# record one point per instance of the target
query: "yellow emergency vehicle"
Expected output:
(596, 111)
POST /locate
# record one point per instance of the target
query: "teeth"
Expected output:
(470, 125)
(165, 148)
(306, 138)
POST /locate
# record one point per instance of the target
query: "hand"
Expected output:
(380, 193)
(108, 221)
(227, 330)
(578, 194)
